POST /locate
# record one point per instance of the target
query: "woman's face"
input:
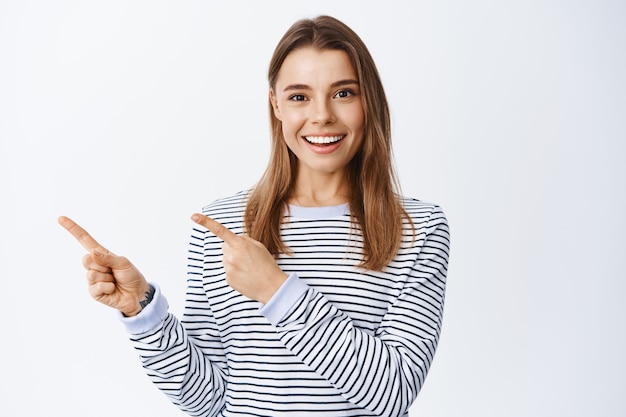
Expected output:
(317, 99)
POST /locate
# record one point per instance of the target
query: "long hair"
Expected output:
(374, 197)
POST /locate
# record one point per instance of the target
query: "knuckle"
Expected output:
(219, 229)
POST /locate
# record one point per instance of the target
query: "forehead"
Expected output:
(313, 66)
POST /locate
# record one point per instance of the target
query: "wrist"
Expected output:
(142, 302)
(274, 285)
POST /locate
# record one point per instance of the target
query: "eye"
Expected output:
(345, 93)
(297, 97)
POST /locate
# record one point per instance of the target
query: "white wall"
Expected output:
(130, 115)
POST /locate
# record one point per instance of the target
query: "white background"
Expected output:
(131, 115)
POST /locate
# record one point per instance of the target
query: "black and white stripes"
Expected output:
(354, 343)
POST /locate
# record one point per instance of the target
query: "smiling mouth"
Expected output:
(323, 140)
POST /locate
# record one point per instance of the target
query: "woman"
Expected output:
(320, 291)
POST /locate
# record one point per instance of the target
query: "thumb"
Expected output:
(108, 259)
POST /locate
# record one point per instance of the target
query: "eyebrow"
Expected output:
(306, 87)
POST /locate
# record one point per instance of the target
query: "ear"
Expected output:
(274, 103)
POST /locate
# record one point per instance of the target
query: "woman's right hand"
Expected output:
(113, 280)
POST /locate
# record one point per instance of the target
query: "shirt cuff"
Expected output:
(292, 290)
(148, 318)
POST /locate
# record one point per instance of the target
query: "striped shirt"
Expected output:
(335, 340)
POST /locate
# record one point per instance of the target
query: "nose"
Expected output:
(323, 113)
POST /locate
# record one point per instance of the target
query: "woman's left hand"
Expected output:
(250, 268)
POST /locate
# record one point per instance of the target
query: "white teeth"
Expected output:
(322, 140)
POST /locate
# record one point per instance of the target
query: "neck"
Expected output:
(320, 190)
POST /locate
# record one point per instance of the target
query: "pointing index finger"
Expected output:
(216, 227)
(79, 233)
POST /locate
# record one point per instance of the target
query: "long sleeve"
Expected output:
(185, 359)
(336, 340)
(384, 371)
